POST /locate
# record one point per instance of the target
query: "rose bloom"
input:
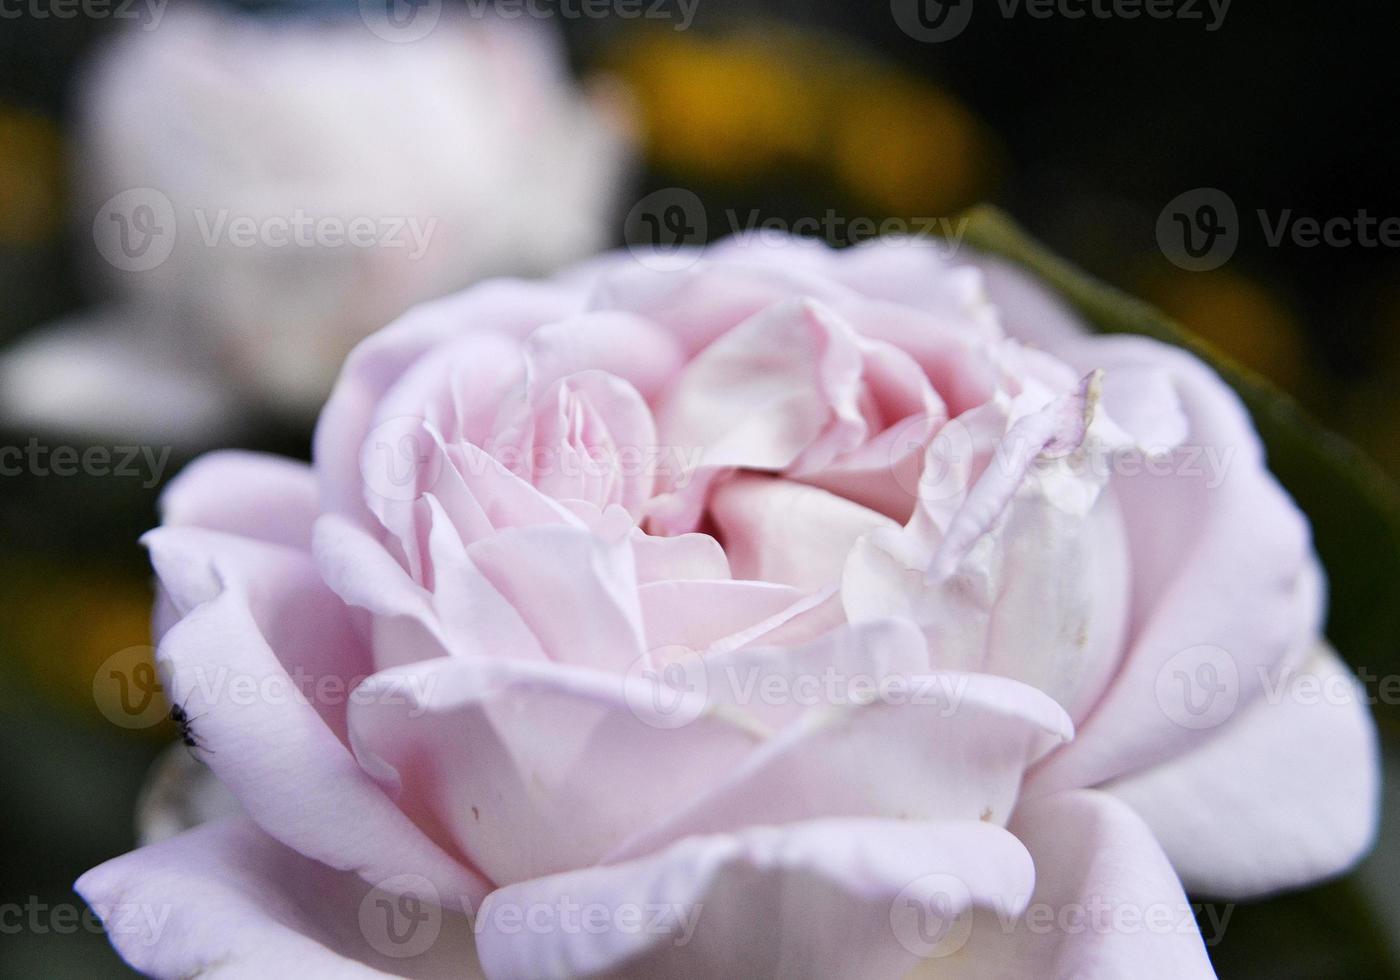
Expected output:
(794, 612)
(320, 181)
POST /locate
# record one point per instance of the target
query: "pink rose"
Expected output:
(796, 613)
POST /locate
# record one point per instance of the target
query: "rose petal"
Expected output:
(1221, 558)
(534, 769)
(503, 305)
(251, 663)
(779, 531)
(226, 898)
(250, 494)
(822, 898)
(1286, 794)
(1106, 902)
(946, 747)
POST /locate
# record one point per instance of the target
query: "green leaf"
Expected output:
(1354, 507)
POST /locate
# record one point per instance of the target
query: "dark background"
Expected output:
(1082, 129)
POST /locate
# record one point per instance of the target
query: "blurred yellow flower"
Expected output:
(31, 178)
(750, 105)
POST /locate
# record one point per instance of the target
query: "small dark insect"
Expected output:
(183, 722)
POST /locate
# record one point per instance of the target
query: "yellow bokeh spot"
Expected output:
(1238, 316)
(751, 105)
(31, 178)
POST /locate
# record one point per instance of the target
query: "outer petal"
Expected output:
(227, 899)
(830, 898)
(1106, 903)
(263, 661)
(942, 747)
(534, 769)
(250, 494)
(1286, 794)
(1221, 558)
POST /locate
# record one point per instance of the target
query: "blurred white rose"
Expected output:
(264, 192)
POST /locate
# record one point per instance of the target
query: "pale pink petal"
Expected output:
(627, 346)
(827, 898)
(776, 530)
(942, 746)
(227, 899)
(701, 303)
(263, 663)
(1020, 570)
(403, 625)
(682, 556)
(764, 392)
(1285, 794)
(586, 436)
(503, 305)
(1221, 558)
(1106, 903)
(774, 686)
(576, 592)
(250, 494)
(534, 769)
